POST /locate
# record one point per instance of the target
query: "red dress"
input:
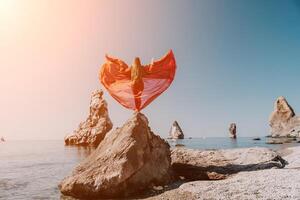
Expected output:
(138, 86)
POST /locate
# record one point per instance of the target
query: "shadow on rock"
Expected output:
(195, 165)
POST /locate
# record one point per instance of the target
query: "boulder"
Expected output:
(283, 121)
(129, 160)
(94, 128)
(232, 130)
(175, 131)
(218, 164)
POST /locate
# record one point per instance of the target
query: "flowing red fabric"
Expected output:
(136, 88)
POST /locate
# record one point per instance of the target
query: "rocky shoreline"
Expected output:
(132, 162)
(245, 173)
(273, 183)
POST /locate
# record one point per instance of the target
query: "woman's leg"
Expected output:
(137, 89)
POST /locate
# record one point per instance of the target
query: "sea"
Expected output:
(33, 169)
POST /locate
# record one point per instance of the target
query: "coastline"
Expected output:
(63, 159)
(246, 183)
(261, 184)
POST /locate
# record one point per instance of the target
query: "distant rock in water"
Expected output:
(283, 121)
(94, 128)
(129, 160)
(2, 139)
(175, 131)
(256, 138)
(232, 130)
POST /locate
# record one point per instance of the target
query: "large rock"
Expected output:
(283, 121)
(217, 164)
(276, 184)
(175, 131)
(94, 128)
(232, 130)
(129, 160)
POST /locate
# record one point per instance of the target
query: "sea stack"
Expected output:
(175, 131)
(283, 120)
(94, 128)
(2, 139)
(232, 130)
(129, 160)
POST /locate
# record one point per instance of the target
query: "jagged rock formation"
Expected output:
(218, 164)
(94, 128)
(129, 160)
(175, 131)
(232, 130)
(283, 121)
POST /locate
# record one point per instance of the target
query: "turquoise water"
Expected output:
(33, 169)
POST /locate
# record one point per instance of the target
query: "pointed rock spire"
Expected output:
(232, 130)
(175, 131)
(94, 128)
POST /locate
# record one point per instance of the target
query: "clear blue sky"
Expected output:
(235, 57)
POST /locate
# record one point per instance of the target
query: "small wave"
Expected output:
(48, 164)
(9, 184)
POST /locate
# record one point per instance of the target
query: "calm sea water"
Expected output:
(33, 169)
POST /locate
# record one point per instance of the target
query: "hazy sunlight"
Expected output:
(8, 9)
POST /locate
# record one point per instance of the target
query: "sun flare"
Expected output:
(8, 8)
